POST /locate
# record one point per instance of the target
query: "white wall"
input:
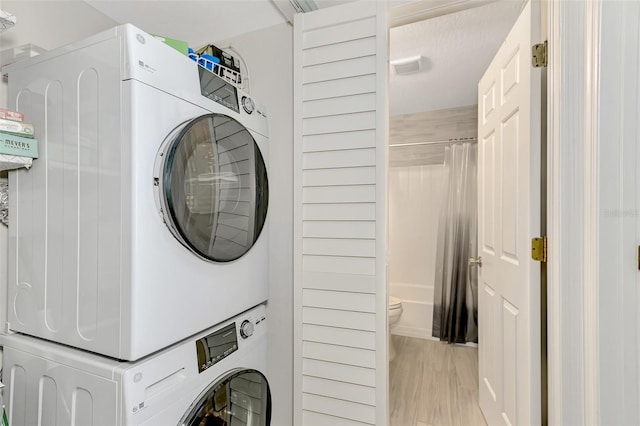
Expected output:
(415, 194)
(49, 24)
(269, 54)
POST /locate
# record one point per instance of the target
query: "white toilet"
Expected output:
(395, 310)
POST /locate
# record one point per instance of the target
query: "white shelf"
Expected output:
(14, 54)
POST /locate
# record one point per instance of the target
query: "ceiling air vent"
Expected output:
(407, 65)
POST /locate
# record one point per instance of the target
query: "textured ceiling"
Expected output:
(456, 49)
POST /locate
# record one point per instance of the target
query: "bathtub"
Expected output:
(417, 309)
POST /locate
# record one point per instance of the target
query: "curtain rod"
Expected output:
(473, 139)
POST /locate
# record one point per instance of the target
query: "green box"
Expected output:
(179, 45)
(18, 145)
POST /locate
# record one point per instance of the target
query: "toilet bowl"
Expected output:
(395, 310)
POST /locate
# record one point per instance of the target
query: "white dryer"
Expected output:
(216, 378)
(144, 220)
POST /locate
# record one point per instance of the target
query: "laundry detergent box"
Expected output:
(18, 145)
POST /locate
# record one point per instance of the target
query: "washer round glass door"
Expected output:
(242, 397)
(213, 189)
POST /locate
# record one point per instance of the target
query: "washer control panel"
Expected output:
(216, 346)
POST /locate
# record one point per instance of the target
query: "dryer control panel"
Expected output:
(217, 89)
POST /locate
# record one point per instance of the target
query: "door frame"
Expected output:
(572, 212)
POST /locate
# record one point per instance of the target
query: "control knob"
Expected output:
(246, 329)
(248, 105)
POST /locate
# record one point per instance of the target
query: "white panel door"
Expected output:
(508, 217)
(340, 299)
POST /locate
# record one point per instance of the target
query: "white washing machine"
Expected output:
(218, 377)
(144, 220)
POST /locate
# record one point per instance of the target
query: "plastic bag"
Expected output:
(4, 202)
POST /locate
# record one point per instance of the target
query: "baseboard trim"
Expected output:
(418, 333)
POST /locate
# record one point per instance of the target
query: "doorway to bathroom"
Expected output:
(435, 68)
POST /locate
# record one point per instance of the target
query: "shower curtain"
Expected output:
(455, 306)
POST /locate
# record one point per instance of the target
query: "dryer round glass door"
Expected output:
(213, 187)
(242, 397)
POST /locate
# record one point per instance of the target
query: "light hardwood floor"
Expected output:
(433, 384)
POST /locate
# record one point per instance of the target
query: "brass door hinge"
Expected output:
(539, 54)
(539, 249)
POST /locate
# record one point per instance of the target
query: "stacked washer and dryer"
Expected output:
(138, 245)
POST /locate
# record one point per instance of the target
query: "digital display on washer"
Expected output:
(216, 346)
(216, 89)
